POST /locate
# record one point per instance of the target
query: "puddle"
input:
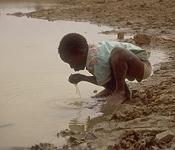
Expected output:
(35, 94)
(36, 100)
(156, 57)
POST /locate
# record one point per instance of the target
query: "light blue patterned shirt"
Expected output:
(98, 58)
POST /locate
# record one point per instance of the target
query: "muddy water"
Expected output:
(36, 101)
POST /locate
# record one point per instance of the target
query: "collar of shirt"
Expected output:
(91, 57)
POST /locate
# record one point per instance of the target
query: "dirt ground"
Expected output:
(148, 121)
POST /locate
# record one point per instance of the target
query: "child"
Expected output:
(109, 62)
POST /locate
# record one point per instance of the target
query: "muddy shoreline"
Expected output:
(138, 15)
(148, 121)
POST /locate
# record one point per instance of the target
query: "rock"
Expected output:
(128, 23)
(90, 136)
(89, 145)
(149, 94)
(58, 135)
(99, 129)
(65, 133)
(95, 91)
(142, 39)
(120, 35)
(44, 146)
(165, 137)
(74, 141)
(65, 147)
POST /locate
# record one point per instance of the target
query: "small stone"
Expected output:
(128, 23)
(33, 148)
(66, 132)
(142, 39)
(149, 94)
(99, 129)
(74, 141)
(89, 145)
(120, 35)
(95, 91)
(142, 5)
(65, 147)
(58, 135)
(90, 136)
(165, 137)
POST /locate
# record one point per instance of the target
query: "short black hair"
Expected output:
(72, 42)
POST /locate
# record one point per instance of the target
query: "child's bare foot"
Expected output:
(103, 93)
(114, 102)
(119, 96)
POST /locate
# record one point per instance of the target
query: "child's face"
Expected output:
(76, 62)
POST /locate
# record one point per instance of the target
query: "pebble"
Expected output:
(120, 35)
(95, 91)
(90, 136)
(142, 39)
(65, 133)
(128, 23)
(165, 137)
(44, 146)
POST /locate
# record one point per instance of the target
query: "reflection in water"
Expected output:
(35, 94)
(6, 125)
(75, 125)
(79, 126)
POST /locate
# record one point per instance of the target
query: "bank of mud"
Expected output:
(148, 121)
(145, 122)
(138, 14)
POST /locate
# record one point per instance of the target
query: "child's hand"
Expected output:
(75, 78)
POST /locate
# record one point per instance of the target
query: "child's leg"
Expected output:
(124, 65)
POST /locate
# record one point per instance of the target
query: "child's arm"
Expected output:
(76, 78)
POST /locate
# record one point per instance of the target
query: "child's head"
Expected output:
(73, 49)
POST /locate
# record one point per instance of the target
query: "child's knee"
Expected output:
(117, 54)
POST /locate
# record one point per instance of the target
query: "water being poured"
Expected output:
(77, 90)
